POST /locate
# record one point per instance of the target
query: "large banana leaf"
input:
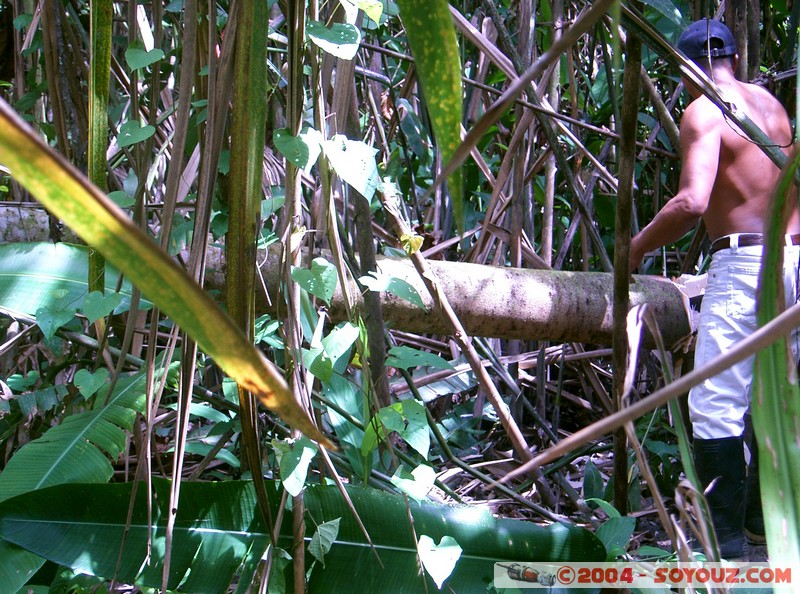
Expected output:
(217, 532)
(34, 275)
(73, 451)
(78, 449)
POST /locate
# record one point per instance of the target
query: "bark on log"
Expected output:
(510, 303)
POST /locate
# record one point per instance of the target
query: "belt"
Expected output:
(747, 240)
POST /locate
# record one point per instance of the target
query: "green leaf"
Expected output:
(88, 383)
(96, 305)
(354, 162)
(669, 10)
(33, 275)
(320, 280)
(218, 530)
(372, 8)
(302, 151)
(339, 341)
(122, 199)
(323, 539)
(592, 482)
(132, 132)
(138, 57)
(322, 361)
(50, 319)
(439, 560)
(610, 510)
(341, 40)
(407, 418)
(404, 357)
(379, 282)
(615, 534)
(78, 449)
(417, 483)
(294, 457)
(17, 566)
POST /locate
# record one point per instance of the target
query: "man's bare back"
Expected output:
(726, 179)
(744, 177)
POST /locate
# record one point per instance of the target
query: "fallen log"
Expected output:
(500, 302)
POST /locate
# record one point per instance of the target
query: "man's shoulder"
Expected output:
(701, 112)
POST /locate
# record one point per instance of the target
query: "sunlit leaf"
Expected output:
(294, 457)
(303, 150)
(417, 483)
(407, 418)
(320, 280)
(354, 162)
(439, 560)
(218, 529)
(341, 40)
(50, 319)
(379, 282)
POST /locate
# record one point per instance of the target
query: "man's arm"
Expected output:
(700, 145)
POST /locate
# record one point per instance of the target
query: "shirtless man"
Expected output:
(727, 181)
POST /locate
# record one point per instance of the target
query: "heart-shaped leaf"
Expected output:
(416, 483)
(122, 199)
(341, 40)
(88, 383)
(96, 305)
(133, 132)
(302, 151)
(438, 560)
(320, 280)
(293, 460)
(354, 162)
(51, 319)
(323, 539)
(138, 57)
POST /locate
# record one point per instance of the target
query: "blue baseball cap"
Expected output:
(695, 41)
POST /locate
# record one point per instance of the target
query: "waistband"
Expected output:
(737, 240)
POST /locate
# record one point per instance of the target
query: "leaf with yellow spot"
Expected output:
(432, 38)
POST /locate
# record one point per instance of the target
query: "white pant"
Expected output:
(728, 314)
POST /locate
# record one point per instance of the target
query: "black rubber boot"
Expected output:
(754, 515)
(721, 461)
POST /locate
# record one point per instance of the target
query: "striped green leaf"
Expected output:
(432, 39)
